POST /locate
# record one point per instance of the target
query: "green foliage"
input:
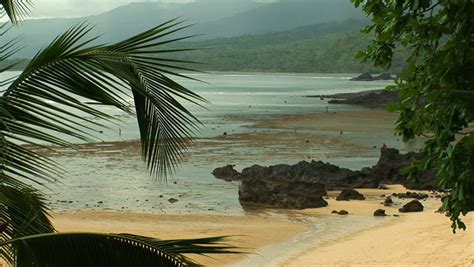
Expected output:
(323, 48)
(437, 88)
(94, 249)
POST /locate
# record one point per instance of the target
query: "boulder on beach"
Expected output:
(379, 213)
(388, 202)
(343, 212)
(412, 206)
(227, 173)
(350, 194)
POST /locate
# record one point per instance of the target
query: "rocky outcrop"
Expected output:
(412, 206)
(387, 170)
(304, 184)
(374, 99)
(332, 176)
(281, 194)
(227, 173)
(350, 194)
(368, 77)
(363, 77)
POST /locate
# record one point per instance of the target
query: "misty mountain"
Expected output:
(281, 16)
(213, 19)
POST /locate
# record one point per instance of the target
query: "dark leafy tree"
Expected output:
(436, 91)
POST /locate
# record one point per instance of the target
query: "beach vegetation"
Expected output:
(436, 90)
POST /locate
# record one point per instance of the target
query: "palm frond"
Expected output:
(22, 213)
(61, 81)
(93, 249)
(16, 9)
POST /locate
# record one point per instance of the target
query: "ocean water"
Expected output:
(110, 176)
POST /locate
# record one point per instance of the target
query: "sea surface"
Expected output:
(109, 176)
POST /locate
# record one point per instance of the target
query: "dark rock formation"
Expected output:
(368, 77)
(226, 173)
(304, 184)
(330, 175)
(373, 99)
(380, 212)
(412, 206)
(388, 202)
(348, 194)
(387, 170)
(334, 212)
(172, 200)
(411, 195)
(343, 212)
(363, 77)
(281, 194)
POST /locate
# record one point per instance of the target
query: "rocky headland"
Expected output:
(369, 77)
(305, 184)
(369, 99)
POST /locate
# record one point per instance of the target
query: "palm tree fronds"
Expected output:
(16, 9)
(23, 212)
(94, 249)
(65, 77)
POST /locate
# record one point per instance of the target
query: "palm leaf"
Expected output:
(16, 9)
(65, 78)
(93, 249)
(22, 213)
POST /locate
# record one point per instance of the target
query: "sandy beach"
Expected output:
(249, 232)
(412, 239)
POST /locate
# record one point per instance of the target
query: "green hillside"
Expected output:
(318, 48)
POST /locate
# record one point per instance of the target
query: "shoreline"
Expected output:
(311, 237)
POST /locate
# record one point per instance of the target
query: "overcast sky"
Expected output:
(78, 8)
